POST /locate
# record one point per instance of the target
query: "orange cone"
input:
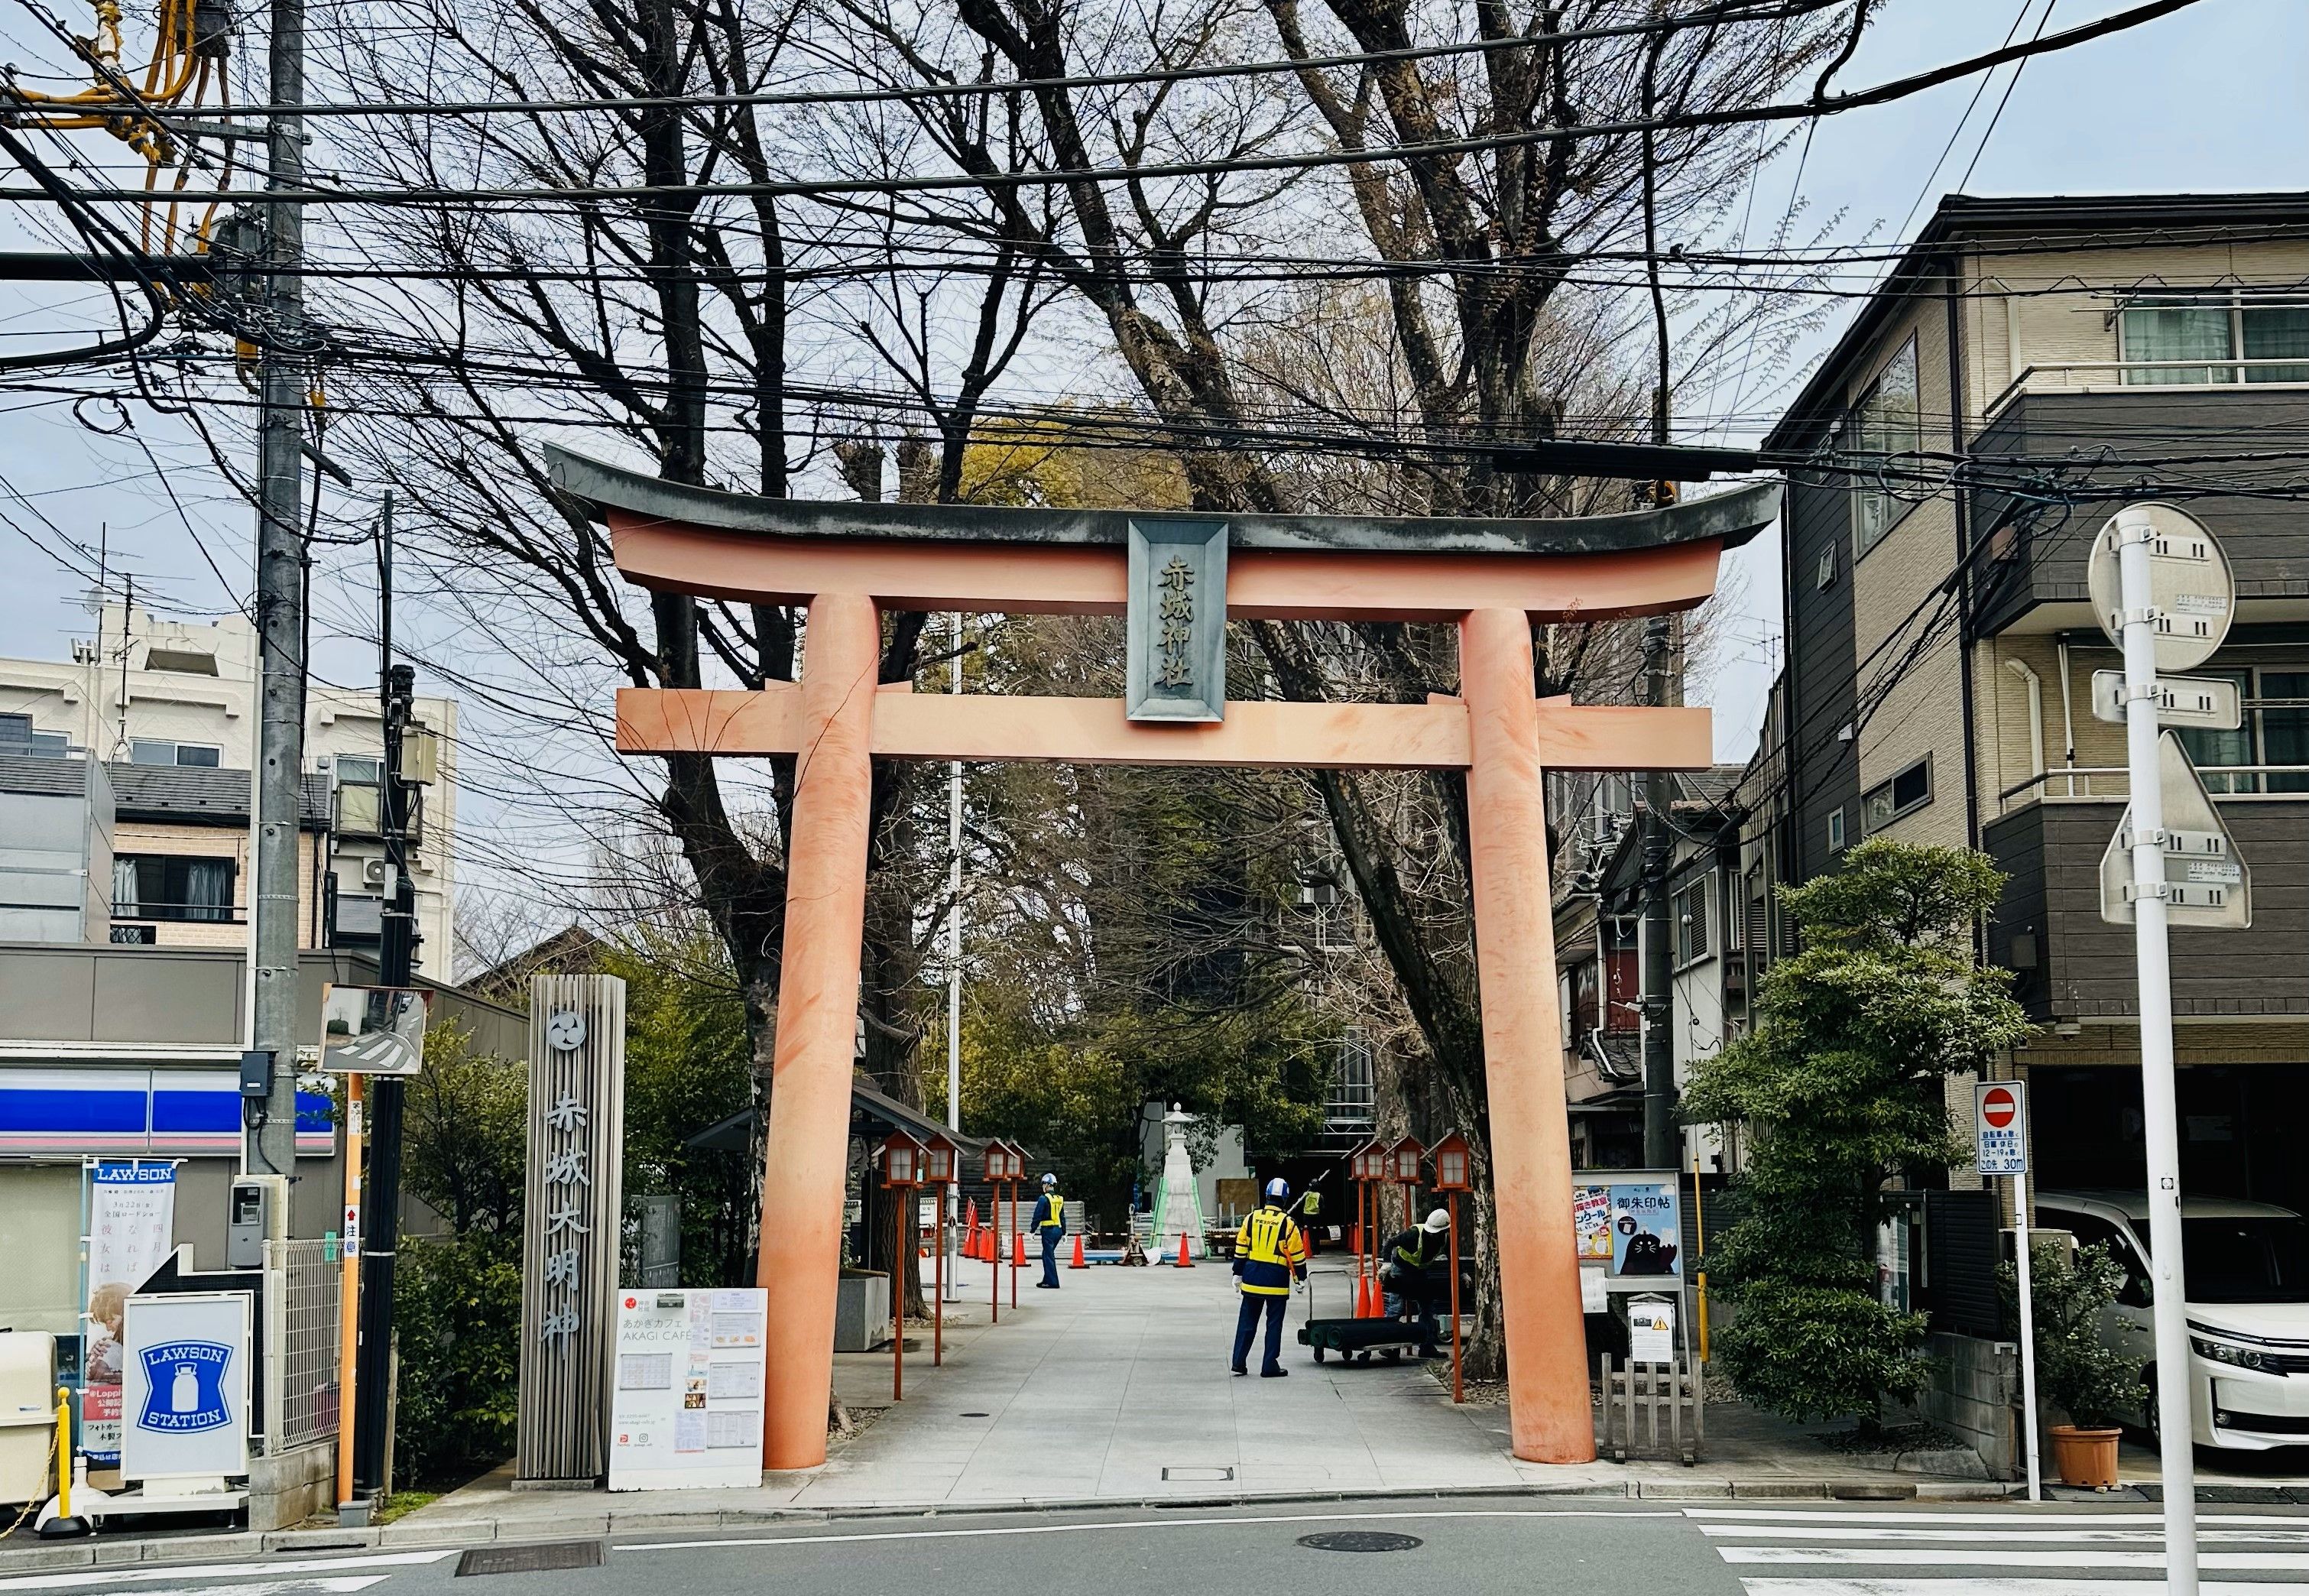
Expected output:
(1373, 1305)
(1184, 1262)
(1078, 1263)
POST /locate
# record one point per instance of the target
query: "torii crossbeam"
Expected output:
(846, 562)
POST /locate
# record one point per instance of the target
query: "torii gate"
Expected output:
(846, 562)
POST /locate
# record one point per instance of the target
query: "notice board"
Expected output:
(685, 1411)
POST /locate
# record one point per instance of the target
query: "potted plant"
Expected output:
(2077, 1371)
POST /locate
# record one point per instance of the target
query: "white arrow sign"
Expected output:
(2205, 882)
(2211, 702)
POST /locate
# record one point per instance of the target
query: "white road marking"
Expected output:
(2209, 1530)
(2004, 1556)
(2015, 1514)
(1167, 1521)
(82, 1578)
(1994, 1587)
(343, 1584)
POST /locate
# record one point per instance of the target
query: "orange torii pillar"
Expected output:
(800, 1258)
(1492, 579)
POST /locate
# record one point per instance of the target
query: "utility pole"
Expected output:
(1656, 956)
(396, 958)
(269, 1140)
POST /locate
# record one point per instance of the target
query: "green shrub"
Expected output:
(457, 1303)
(2091, 1383)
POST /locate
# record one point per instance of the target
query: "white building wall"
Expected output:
(204, 693)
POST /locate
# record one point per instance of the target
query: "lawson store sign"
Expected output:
(108, 1110)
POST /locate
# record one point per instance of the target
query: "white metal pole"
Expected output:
(954, 944)
(2027, 1338)
(2176, 1462)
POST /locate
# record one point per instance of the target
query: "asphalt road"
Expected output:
(1508, 1545)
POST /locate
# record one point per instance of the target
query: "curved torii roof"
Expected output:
(1729, 518)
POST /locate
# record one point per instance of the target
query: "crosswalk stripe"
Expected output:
(1972, 1537)
(84, 1577)
(2015, 1514)
(2007, 1557)
(341, 1585)
(1990, 1587)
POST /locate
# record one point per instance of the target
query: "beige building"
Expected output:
(170, 708)
(2031, 365)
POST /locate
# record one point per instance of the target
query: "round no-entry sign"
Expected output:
(1998, 1107)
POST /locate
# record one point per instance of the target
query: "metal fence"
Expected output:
(303, 1295)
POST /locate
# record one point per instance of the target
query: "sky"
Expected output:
(2209, 99)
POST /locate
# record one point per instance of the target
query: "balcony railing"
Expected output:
(2110, 783)
(2102, 376)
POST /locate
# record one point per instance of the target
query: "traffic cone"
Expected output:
(1184, 1262)
(1373, 1305)
(1355, 1296)
(1079, 1262)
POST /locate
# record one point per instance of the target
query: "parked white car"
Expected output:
(2247, 1289)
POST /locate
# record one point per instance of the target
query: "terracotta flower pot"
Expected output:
(2085, 1455)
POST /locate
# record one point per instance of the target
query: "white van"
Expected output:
(2247, 1288)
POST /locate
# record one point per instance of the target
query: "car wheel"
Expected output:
(2153, 1420)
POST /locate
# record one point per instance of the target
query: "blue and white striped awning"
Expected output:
(113, 1109)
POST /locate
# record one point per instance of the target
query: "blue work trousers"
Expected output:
(1246, 1325)
(1051, 1257)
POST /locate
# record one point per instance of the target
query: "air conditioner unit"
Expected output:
(373, 871)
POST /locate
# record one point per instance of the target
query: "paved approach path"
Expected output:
(1098, 1388)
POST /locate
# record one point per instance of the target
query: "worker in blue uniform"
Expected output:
(1050, 1223)
(1269, 1254)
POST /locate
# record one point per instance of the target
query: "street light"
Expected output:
(1451, 1172)
(1003, 1162)
(1400, 1163)
(941, 1159)
(902, 1172)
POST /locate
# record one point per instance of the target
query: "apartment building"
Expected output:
(169, 709)
(2062, 357)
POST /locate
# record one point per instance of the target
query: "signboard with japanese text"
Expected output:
(686, 1410)
(184, 1389)
(2000, 1127)
(573, 1226)
(1630, 1224)
(1175, 627)
(132, 1208)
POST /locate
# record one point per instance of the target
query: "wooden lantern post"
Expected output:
(1451, 1174)
(1360, 1166)
(1402, 1168)
(901, 1175)
(941, 1159)
(997, 1164)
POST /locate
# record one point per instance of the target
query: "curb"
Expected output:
(422, 1533)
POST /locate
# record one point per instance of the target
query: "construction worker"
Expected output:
(1050, 1223)
(1403, 1273)
(1269, 1253)
(1310, 1207)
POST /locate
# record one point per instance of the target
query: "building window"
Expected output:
(361, 795)
(1689, 908)
(17, 737)
(2220, 330)
(1836, 829)
(1824, 576)
(1905, 793)
(169, 887)
(1886, 422)
(2275, 730)
(154, 751)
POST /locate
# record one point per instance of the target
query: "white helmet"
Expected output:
(1437, 1222)
(1278, 1189)
(1049, 1179)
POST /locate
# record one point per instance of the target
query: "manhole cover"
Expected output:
(1360, 1540)
(544, 1556)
